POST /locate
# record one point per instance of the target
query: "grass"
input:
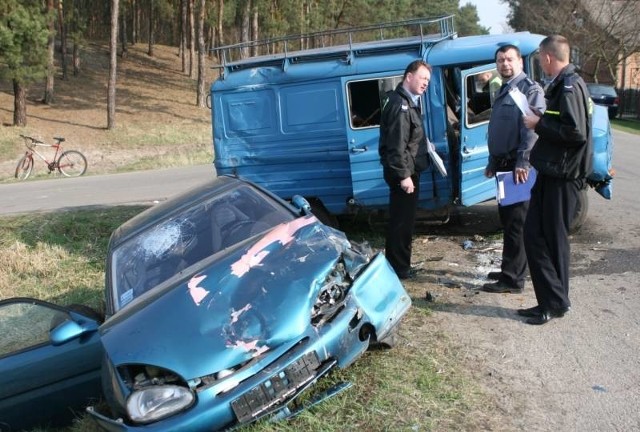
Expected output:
(626, 125)
(418, 385)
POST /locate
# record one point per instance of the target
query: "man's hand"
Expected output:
(520, 175)
(488, 173)
(407, 185)
(530, 121)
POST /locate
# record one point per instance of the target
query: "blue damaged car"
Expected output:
(225, 303)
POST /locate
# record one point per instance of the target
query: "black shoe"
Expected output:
(494, 275)
(411, 274)
(501, 287)
(530, 312)
(545, 316)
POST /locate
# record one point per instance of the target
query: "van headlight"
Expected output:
(157, 402)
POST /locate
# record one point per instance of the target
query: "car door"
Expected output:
(50, 361)
(474, 128)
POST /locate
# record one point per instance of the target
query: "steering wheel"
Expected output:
(237, 232)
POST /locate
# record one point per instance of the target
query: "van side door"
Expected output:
(475, 110)
(364, 97)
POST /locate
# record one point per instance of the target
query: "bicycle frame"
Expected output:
(51, 165)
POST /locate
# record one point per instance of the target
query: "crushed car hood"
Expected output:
(245, 302)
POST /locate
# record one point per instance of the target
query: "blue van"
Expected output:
(303, 115)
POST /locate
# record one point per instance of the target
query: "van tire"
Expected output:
(320, 211)
(580, 216)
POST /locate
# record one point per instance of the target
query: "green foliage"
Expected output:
(627, 125)
(23, 41)
(467, 21)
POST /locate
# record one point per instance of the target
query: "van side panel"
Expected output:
(289, 139)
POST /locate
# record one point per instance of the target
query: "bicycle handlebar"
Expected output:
(38, 142)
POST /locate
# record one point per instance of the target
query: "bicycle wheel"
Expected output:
(24, 168)
(72, 163)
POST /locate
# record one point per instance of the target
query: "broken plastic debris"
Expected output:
(467, 244)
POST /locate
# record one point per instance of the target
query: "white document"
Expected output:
(437, 160)
(521, 101)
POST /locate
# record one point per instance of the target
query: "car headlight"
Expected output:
(156, 402)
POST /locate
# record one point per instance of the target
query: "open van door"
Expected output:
(475, 110)
(364, 97)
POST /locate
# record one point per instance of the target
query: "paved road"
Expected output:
(143, 187)
(581, 372)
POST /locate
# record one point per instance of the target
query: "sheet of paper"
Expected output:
(437, 160)
(521, 101)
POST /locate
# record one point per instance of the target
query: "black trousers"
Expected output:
(514, 258)
(546, 234)
(401, 225)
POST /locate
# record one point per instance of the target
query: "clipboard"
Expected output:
(509, 192)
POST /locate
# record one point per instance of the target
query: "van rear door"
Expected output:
(474, 128)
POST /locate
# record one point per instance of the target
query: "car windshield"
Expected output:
(597, 89)
(196, 232)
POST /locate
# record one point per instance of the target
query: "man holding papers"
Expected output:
(510, 143)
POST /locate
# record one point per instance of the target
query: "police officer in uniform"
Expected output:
(403, 154)
(563, 157)
(510, 143)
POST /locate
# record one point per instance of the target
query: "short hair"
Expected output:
(505, 48)
(414, 66)
(557, 46)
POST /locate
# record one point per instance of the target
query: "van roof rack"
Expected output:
(343, 43)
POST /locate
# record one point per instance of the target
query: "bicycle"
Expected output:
(70, 163)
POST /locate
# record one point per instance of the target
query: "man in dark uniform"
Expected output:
(403, 154)
(510, 143)
(563, 157)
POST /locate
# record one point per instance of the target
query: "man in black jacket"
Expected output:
(403, 154)
(563, 157)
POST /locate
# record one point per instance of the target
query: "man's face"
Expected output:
(418, 81)
(508, 64)
(545, 63)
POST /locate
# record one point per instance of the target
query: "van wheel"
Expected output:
(320, 211)
(582, 209)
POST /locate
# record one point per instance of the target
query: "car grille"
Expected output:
(276, 389)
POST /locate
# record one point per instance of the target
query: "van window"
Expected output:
(535, 70)
(481, 90)
(366, 98)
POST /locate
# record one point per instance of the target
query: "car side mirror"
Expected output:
(301, 204)
(69, 330)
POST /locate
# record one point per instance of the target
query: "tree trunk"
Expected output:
(201, 57)
(63, 39)
(51, 43)
(219, 28)
(113, 63)
(76, 58)
(123, 31)
(192, 40)
(245, 15)
(183, 34)
(134, 26)
(19, 104)
(254, 28)
(151, 30)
